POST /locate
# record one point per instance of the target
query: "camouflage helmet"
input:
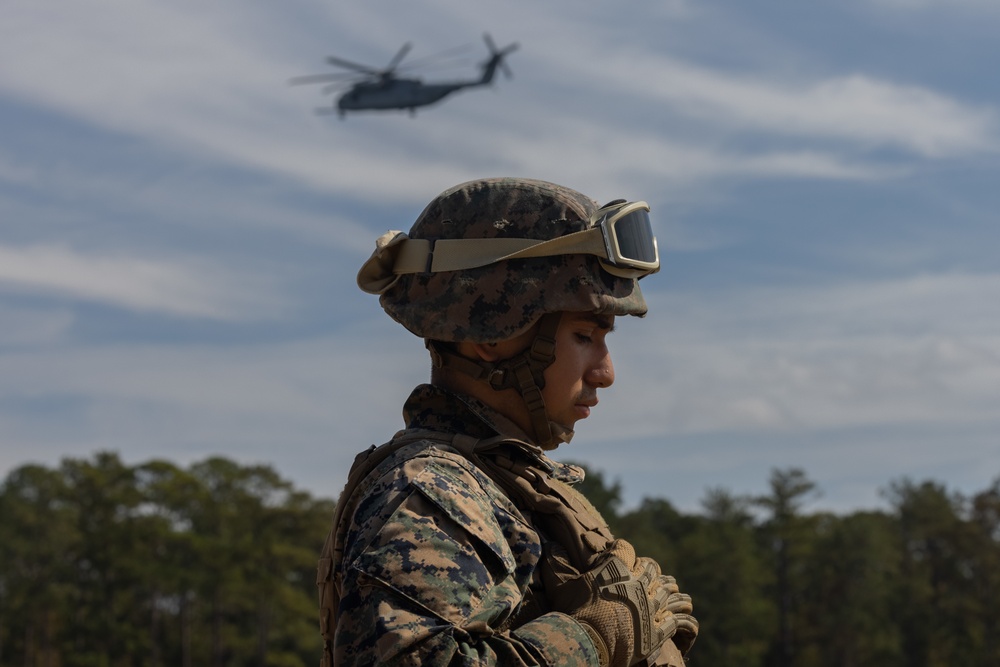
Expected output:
(501, 300)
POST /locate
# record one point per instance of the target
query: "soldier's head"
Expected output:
(515, 283)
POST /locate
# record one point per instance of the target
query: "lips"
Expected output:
(583, 406)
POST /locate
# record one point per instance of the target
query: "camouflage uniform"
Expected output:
(440, 556)
(441, 559)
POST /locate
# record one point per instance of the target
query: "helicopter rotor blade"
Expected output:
(441, 57)
(334, 87)
(340, 62)
(319, 78)
(398, 57)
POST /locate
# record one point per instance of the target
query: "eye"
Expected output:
(583, 338)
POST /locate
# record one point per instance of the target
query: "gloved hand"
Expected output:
(680, 605)
(624, 603)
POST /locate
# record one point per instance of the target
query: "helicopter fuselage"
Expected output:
(397, 94)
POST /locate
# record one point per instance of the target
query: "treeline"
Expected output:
(917, 586)
(110, 565)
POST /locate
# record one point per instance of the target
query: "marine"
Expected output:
(461, 541)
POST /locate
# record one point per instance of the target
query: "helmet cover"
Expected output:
(499, 301)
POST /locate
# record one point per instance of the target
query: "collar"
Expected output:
(439, 409)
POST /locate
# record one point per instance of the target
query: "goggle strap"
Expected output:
(423, 256)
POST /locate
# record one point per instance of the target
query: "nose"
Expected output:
(602, 373)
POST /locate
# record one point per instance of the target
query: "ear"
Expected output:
(484, 351)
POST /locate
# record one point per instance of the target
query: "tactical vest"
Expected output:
(564, 515)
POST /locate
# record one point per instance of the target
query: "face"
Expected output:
(582, 366)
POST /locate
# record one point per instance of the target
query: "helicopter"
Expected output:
(381, 89)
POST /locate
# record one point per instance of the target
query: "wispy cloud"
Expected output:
(158, 163)
(856, 107)
(14, 173)
(302, 405)
(187, 289)
(775, 366)
(985, 6)
(33, 326)
(916, 350)
(223, 97)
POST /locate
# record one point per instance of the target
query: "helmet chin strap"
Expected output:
(524, 372)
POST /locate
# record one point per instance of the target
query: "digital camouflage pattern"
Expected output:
(439, 566)
(499, 301)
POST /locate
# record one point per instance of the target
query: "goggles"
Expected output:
(619, 234)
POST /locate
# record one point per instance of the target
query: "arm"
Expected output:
(434, 571)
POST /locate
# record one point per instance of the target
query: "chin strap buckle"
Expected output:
(497, 378)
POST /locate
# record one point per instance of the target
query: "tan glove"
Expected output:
(680, 605)
(671, 653)
(623, 602)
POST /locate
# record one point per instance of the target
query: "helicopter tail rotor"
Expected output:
(496, 60)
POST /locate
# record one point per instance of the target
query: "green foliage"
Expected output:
(726, 572)
(106, 564)
(775, 586)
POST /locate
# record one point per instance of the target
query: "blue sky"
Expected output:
(179, 232)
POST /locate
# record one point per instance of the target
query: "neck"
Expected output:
(505, 401)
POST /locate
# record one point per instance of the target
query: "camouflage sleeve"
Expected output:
(435, 570)
(559, 640)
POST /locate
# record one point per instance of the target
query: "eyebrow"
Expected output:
(600, 321)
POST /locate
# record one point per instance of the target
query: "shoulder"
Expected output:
(432, 528)
(426, 460)
(450, 483)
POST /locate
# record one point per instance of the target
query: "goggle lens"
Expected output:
(635, 238)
